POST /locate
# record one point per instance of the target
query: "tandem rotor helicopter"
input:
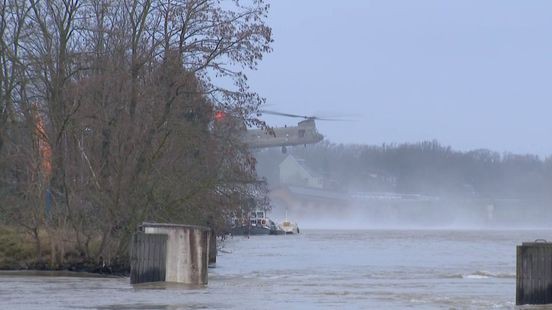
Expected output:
(304, 133)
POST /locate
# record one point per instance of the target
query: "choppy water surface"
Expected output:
(381, 269)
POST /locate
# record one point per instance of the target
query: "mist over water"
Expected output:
(416, 186)
(437, 215)
(317, 269)
(113, 113)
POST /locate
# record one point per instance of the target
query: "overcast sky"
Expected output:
(471, 74)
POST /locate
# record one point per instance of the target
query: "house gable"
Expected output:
(292, 172)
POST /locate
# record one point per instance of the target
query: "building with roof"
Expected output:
(294, 172)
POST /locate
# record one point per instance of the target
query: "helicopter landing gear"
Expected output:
(284, 149)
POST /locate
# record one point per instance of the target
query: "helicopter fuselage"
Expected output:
(304, 133)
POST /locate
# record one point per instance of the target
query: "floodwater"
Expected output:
(369, 269)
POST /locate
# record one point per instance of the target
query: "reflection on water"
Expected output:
(167, 285)
(389, 269)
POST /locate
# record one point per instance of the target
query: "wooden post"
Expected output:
(148, 253)
(187, 251)
(213, 250)
(534, 273)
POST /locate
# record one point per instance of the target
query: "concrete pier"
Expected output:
(148, 257)
(187, 251)
(534, 273)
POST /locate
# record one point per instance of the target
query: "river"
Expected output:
(365, 269)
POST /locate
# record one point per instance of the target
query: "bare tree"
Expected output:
(124, 94)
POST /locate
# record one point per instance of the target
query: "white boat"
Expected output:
(289, 227)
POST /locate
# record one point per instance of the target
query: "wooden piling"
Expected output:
(534, 273)
(213, 250)
(148, 257)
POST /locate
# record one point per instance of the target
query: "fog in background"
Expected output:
(473, 75)
(420, 185)
(470, 74)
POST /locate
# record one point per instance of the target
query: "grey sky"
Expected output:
(471, 74)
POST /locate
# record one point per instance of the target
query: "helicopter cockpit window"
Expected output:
(301, 133)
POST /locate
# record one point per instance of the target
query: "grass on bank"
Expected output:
(16, 250)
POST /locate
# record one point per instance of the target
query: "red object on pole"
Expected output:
(219, 116)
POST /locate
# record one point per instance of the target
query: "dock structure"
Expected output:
(534, 273)
(171, 253)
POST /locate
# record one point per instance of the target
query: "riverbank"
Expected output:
(55, 273)
(69, 269)
(19, 254)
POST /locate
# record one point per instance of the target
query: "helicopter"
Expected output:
(304, 133)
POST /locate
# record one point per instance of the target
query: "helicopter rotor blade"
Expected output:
(304, 116)
(283, 114)
(332, 119)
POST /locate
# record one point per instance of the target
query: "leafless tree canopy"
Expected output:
(106, 117)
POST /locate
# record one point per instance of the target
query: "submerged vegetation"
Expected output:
(107, 120)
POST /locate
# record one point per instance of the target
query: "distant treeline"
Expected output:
(426, 168)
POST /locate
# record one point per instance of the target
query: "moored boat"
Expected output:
(258, 224)
(289, 227)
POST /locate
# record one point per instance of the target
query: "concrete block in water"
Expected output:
(187, 251)
(534, 273)
(148, 257)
